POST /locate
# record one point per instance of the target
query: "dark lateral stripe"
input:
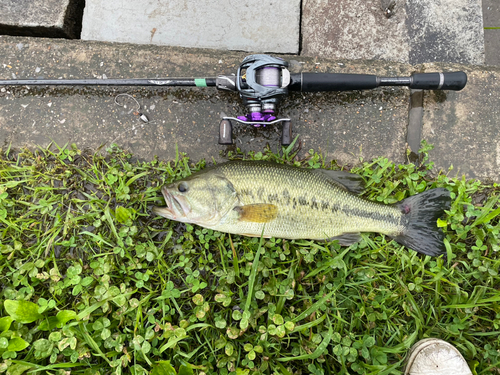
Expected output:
(284, 198)
(336, 208)
(373, 215)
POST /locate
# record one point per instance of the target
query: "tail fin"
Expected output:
(421, 213)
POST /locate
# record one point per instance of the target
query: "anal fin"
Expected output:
(346, 239)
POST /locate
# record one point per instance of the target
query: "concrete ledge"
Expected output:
(346, 126)
(43, 18)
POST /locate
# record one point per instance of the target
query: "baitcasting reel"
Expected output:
(261, 80)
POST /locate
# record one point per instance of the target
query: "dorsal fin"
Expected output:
(345, 180)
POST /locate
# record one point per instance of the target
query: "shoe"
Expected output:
(434, 356)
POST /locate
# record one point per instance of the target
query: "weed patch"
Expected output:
(92, 283)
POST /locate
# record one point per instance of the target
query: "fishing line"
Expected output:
(135, 112)
(142, 116)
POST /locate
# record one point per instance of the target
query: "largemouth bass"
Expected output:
(251, 197)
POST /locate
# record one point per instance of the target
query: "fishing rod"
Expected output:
(262, 81)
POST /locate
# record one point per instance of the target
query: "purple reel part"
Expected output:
(257, 116)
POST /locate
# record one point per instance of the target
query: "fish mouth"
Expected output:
(176, 207)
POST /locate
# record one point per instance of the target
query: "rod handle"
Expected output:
(439, 81)
(314, 82)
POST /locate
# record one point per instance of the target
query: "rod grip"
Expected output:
(439, 81)
(314, 82)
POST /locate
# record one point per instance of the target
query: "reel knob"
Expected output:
(225, 133)
(286, 133)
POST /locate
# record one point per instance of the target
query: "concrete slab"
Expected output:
(252, 25)
(446, 31)
(492, 47)
(491, 13)
(49, 18)
(354, 29)
(346, 126)
(463, 126)
(409, 31)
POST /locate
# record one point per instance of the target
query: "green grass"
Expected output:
(91, 282)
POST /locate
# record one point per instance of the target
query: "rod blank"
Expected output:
(200, 82)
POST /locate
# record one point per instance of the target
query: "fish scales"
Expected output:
(309, 204)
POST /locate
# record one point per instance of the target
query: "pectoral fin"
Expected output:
(257, 213)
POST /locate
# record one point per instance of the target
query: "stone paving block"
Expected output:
(410, 31)
(492, 47)
(463, 125)
(354, 29)
(446, 31)
(251, 25)
(49, 18)
(491, 13)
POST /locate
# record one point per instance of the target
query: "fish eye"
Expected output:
(183, 187)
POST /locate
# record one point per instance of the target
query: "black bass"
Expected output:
(247, 197)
